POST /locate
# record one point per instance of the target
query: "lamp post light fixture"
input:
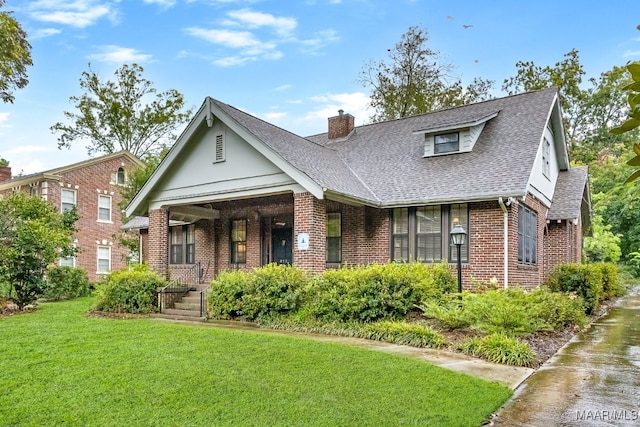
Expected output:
(458, 238)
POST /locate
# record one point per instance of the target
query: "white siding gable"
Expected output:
(542, 181)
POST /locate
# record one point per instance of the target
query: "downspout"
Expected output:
(505, 216)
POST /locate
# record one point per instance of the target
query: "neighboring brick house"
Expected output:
(93, 187)
(249, 193)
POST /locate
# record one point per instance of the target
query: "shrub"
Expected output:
(374, 292)
(265, 292)
(611, 286)
(66, 283)
(500, 348)
(273, 290)
(225, 294)
(448, 313)
(584, 280)
(130, 290)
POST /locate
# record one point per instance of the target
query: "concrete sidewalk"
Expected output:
(594, 380)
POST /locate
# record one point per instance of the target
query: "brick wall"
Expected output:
(158, 247)
(340, 126)
(310, 218)
(563, 243)
(528, 276)
(88, 181)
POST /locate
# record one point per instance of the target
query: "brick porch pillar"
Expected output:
(158, 246)
(309, 217)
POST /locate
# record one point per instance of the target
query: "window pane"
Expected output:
(104, 259)
(428, 233)
(239, 230)
(400, 220)
(191, 254)
(191, 234)
(334, 249)
(104, 208)
(67, 262)
(527, 235)
(238, 241)
(120, 176)
(68, 199)
(446, 143)
(401, 248)
(334, 224)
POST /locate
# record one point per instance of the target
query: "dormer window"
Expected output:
(446, 143)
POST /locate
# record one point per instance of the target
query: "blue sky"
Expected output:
(292, 63)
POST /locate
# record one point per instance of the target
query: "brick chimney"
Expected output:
(341, 125)
(5, 173)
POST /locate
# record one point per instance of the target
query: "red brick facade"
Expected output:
(366, 236)
(88, 180)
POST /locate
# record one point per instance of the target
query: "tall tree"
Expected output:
(32, 235)
(566, 75)
(632, 122)
(415, 80)
(114, 116)
(15, 55)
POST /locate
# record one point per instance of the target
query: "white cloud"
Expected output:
(78, 13)
(227, 38)
(119, 55)
(356, 104)
(631, 54)
(275, 115)
(283, 87)
(164, 3)
(283, 26)
(250, 48)
(44, 32)
(4, 117)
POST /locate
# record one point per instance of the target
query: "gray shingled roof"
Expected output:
(388, 157)
(323, 165)
(568, 195)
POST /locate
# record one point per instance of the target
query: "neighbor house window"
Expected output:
(104, 208)
(446, 143)
(527, 236)
(183, 247)
(422, 233)
(120, 177)
(546, 153)
(69, 261)
(104, 259)
(334, 237)
(68, 199)
(238, 241)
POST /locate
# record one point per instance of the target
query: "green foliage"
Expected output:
(273, 290)
(32, 235)
(112, 116)
(374, 292)
(4, 162)
(500, 348)
(513, 311)
(267, 291)
(611, 286)
(130, 290)
(416, 81)
(413, 334)
(15, 55)
(602, 245)
(66, 283)
(584, 280)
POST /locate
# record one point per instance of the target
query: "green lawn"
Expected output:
(58, 367)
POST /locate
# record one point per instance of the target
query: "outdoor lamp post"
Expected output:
(458, 237)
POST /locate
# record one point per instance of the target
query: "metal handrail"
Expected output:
(169, 294)
(203, 302)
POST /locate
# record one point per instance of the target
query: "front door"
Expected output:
(282, 243)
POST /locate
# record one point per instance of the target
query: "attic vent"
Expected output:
(219, 149)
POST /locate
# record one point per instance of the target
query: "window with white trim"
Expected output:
(527, 236)
(183, 245)
(68, 198)
(120, 176)
(104, 208)
(446, 143)
(69, 261)
(104, 259)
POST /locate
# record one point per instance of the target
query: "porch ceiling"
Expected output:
(192, 213)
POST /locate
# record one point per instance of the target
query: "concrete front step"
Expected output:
(180, 312)
(177, 317)
(188, 305)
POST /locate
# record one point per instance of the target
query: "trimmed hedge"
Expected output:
(130, 290)
(66, 283)
(363, 294)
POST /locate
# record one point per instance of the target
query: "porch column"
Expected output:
(159, 241)
(310, 218)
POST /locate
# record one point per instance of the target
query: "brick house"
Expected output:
(92, 186)
(248, 193)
